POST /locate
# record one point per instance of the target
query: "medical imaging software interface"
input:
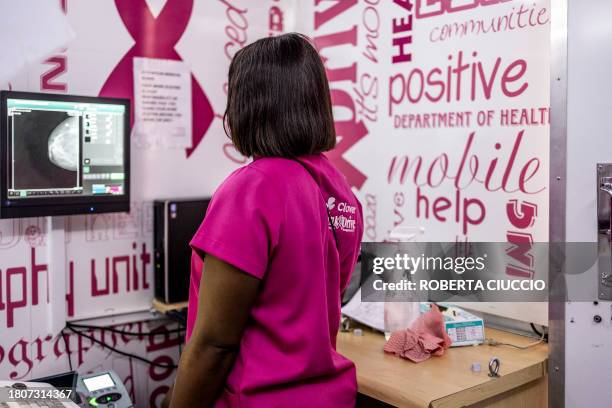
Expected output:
(59, 149)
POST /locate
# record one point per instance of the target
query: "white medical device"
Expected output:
(104, 389)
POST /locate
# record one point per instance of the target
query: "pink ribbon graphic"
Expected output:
(156, 38)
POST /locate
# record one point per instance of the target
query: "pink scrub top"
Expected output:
(269, 220)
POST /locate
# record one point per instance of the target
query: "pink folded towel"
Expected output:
(425, 337)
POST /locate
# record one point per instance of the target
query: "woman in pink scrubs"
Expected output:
(276, 248)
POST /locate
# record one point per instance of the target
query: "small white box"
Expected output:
(464, 328)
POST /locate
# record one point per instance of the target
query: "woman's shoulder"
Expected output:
(260, 174)
(274, 166)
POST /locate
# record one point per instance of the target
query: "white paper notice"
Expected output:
(162, 102)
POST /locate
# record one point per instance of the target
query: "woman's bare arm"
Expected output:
(226, 297)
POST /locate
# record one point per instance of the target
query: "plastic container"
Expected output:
(401, 310)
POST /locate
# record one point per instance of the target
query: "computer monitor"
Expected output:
(62, 154)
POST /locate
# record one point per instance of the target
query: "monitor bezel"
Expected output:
(35, 207)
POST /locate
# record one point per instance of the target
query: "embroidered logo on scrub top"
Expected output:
(344, 215)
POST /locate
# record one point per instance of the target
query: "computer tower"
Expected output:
(175, 223)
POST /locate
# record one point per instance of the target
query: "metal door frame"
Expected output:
(557, 202)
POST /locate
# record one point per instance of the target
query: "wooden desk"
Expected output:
(448, 381)
(164, 308)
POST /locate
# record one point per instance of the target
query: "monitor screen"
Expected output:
(64, 151)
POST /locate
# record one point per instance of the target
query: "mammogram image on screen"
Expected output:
(45, 150)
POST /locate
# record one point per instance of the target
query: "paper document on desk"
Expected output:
(371, 314)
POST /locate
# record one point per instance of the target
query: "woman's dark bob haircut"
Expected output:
(278, 101)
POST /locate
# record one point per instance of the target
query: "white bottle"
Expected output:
(402, 308)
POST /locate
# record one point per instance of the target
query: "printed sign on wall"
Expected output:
(442, 113)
